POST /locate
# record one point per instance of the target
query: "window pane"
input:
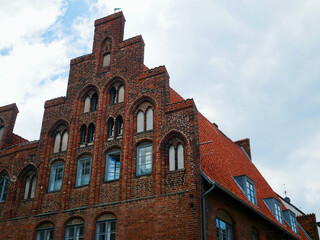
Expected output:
(140, 121)
(144, 163)
(106, 60)
(57, 143)
(171, 158)
(113, 166)
(112, 95)
(3, 188)
(83, 135)
(180, 156)
(94, 100)
(1, 132)
(27, 188)
(83, 173)
(86, 104)
(121, 94)
(64, 141)
(33, 186)
(119, 126)
(56, 176)
(149, 119)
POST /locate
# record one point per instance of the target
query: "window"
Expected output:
(45, 232)
(4, 182)
(121, 94)
(1, 132)
(94, 103)
(74, 229)
(83, 132)
(278, 212)
(106, 227)
(91, 129)
(254, 235)
(112, 166)
(224, 226)
(119, 126)
(176, 157)
(106, 60)
(113, 95)
(144, 159)
(56, 176)
(251, 192)
(30, 185)
(275, 207)
(110, 128)
(60, 140)
(86, 104)
(83, 172)
(149, 119)
(293, 223)
(248, 187)
(140, 121)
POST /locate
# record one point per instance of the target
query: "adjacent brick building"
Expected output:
(123, 156)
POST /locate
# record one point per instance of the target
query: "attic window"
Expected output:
(275, 207)
(248, 187)
(106, 60)
(290, 218)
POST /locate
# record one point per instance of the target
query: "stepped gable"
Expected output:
(222, 159)
(175, 97)
(16, 139)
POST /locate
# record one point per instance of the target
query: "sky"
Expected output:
(252, 67)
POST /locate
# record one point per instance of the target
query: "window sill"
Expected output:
(81, 186)
(143, 175)
(54, 191)
(111, 181)
(90, 143)
(176, 171)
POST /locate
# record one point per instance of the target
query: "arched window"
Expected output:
(106, 227)
(144, 159)
(56, 176)
(94, 103)
(1, 132)
(110, 128)
(106, 60)
(113, 95)
(45, 232)
(86, 104)
(91, 130)
(149, 119)
(30, 185)
(176, 157)
(83, 171)
(74, 229)
(4, 183)
(119, 126)
(140, 121)
(172, 160)
(60, 139)
(57, 142)
(112, 165)
(121, 94)
(64, 143)
(254, 235)
(224, 226)
(83, 132)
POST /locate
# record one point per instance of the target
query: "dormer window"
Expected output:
(248, 187)
(106, 60)
(290, 218)
(275, 207)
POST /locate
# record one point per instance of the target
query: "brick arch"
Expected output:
(26, 169)
(135, 106)
(105, 213)
(228, 213)
(3, 172)
(144, 140)
(42, 223)
(54, 127)
(72, 218)
(87, 88)
(104, 40)
(117, 81)
(111, 148)
(171, 135)
(83, 154)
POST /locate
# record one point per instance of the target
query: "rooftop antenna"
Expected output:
(287, 199)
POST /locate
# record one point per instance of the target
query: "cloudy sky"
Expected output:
(252, 67)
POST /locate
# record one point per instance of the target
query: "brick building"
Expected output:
(123, 156)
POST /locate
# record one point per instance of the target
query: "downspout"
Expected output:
(213, 184)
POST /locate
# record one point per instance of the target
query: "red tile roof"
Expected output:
(221, 160)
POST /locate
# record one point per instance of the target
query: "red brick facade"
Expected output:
(161, 204)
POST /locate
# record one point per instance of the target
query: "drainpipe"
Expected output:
(204, 209)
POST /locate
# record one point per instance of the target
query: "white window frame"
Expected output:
(83, 179)
(112, 168)
(278, 212)
(48, 234)
(144, 159)
(109, 233)
(251, 192)
(54, 183)
(76, 232)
